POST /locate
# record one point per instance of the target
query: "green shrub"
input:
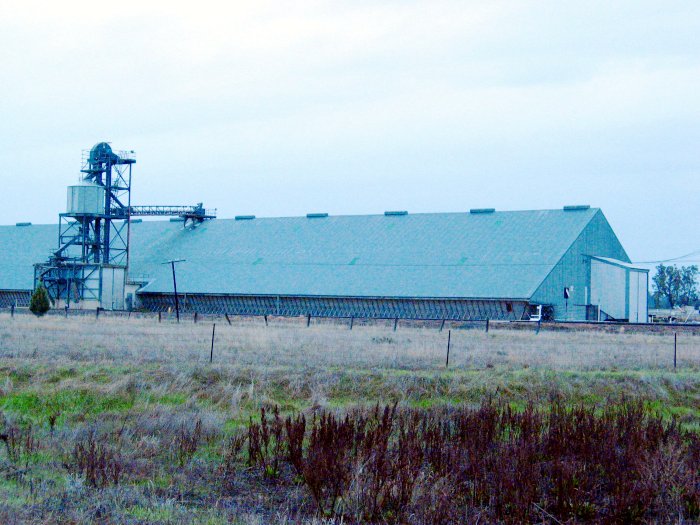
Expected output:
(40, 303)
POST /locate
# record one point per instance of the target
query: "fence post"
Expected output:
(675, 349)
(213, 334)
(159, 316)
(228, 319)
(12, 310)
(487, 325)
(396, 323)
(308, 320)
(265, 316)
(195, 317)
(539, 325)
(449, 337)
(442, 325)
(97, 313)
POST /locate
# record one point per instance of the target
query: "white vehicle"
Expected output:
(538, 316)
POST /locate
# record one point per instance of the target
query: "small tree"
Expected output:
(40, 303)
(677, 285)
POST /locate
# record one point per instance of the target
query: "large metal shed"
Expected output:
(472, 265)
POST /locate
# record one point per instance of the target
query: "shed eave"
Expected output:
(619, 264)
(374, 297)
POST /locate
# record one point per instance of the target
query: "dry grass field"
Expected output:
(126, 420)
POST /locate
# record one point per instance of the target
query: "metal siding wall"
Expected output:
(107, 288)
(112, 288)
(609, 289)
(638, 296)
(644, 296)
(633, 296)
(119, 281)
(18, 298)
(573, 269)
(341, 307)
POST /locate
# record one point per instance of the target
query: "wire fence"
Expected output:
(383, 344)
(352, 322)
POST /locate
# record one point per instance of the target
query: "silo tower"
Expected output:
(110, 172)
(90, 264)
(89, 269)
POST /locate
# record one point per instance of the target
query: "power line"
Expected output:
(672, 259)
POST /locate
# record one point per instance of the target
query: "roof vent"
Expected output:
(177, 219)
(395, 213)
(23, 224)
(577, 207)
(245, 217)
(482, 210)
(316, 215)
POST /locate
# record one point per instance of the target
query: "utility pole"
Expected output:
(177, 302)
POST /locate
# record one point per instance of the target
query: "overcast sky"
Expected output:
(284, 108)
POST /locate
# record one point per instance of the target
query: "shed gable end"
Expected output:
(573, 271)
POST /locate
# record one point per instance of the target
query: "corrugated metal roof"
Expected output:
(495, 255)
(20, 248)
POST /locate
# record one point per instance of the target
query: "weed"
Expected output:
(569, 463)
(330, 454)
(20, 441)
(265, 443)
(230, 463)
(94, 458)
(186, 441)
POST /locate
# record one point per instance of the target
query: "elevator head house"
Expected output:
(482, 264)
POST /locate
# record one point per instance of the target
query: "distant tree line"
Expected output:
(675, 286)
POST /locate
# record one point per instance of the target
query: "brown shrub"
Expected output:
(490, 464)
(96, 460)
(20, 442)
(186, 441)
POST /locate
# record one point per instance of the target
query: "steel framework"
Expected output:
(92, 258)
(194, 212)
(89, 240)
